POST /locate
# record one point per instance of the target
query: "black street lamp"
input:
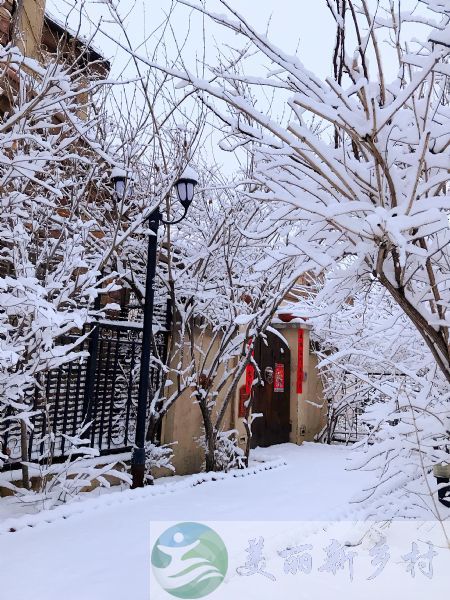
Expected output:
(185, 191)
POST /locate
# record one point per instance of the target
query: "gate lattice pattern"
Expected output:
(346, 423)
(101, 389)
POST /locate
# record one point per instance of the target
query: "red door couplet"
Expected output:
(300, 362)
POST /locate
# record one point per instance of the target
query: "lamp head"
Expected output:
(185, 186)
(119, 178)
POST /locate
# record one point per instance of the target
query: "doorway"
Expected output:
(272, 398)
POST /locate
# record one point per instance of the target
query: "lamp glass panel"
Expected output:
(189, 192)
(120, 187)
(181, 187)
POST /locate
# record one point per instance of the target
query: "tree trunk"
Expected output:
(434, 339)
(24, 452)
(248, 428)
(153, 429)
(248, 443)
(210, 438)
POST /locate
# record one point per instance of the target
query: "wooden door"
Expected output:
(272, 399)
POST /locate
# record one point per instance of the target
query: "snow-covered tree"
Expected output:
(67, 240)
(51, 172)
(378, 372)
(229, 296)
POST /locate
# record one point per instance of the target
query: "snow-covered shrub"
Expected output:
(58, 483)
(157, 457)
(365, 350)
(227, 453)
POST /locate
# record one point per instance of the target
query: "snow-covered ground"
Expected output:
(99, 548)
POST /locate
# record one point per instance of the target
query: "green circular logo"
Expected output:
(189, 560)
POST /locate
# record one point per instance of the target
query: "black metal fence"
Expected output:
(100, 389)
(349, 426)
(346, 423)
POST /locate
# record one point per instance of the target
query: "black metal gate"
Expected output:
(346, 423)
(100, 389)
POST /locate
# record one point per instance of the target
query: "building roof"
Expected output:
(61, 30)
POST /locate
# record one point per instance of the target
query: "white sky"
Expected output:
(306, 24)
(303, 23)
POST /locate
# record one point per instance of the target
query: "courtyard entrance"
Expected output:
(272, 398)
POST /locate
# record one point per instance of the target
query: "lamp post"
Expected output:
(185, 191)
